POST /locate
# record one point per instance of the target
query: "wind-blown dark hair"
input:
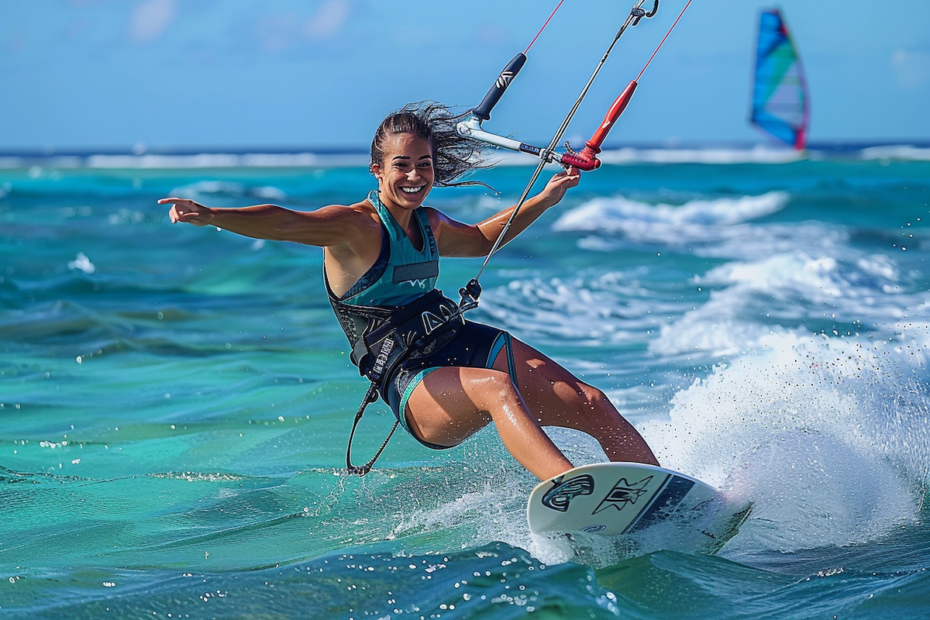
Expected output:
(454, 156)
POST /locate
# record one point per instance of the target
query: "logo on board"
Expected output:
(623, 493)
(562, 493)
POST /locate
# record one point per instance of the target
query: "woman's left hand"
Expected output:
(557, 186)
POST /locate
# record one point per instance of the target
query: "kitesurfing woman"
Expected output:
(380, 266)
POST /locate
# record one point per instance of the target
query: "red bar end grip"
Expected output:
(585, 160)
(619, 105)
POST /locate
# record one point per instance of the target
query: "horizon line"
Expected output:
(140, 150)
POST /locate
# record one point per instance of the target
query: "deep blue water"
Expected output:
(175, 401)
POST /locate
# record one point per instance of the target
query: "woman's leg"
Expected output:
(452, 403)
(558, 398)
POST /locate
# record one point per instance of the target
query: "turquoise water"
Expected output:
(175, 401)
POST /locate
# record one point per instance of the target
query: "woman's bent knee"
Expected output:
(594, 410)
(593, 397)
(453, 403)
(495, 389)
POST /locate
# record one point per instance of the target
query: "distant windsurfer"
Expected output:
(380, 266)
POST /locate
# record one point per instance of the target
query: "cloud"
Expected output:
(150, 19)
(329, 20)
(911, 69)
(281, 32)
(277, 33)
(491, 34)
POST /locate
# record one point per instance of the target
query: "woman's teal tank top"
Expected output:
(402, 273)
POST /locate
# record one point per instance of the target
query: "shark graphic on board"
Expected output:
(623, 493)
(562, 493)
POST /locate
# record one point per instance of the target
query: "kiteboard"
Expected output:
(623, 499)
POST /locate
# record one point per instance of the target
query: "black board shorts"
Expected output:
(475, 346)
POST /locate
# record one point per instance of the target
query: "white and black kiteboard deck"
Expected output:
(619, 499)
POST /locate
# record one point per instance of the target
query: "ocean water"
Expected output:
(175, 401)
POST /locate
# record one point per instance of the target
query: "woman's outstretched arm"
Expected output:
(458, 239)
(329, 226)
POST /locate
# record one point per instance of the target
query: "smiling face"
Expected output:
(405, 174)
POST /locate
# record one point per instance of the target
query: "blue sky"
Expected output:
(199, 73)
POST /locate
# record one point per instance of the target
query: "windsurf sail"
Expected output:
(780, 103)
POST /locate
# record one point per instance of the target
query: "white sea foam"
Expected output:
(721, 228)
(759, 154)
(712, 227)
(502, 157)
(483, 508)
(825, 434)
(483, 497)
(281, 160)
(902, 152)
(748, 302)
(225, 160)
(228, 188)
(866, 284)
(491, 203)
(619, 214)
(206, 160)
(611, 307)
(793, 288)
(13, 162)
(82, 263)
(125, 216)
(814, 431)
(268, 191)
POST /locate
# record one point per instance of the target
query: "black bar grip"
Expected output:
(483, 111)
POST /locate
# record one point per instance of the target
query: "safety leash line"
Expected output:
(663, 41)
(543, 27)
(354, 470)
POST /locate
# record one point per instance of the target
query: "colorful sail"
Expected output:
(780, 104)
